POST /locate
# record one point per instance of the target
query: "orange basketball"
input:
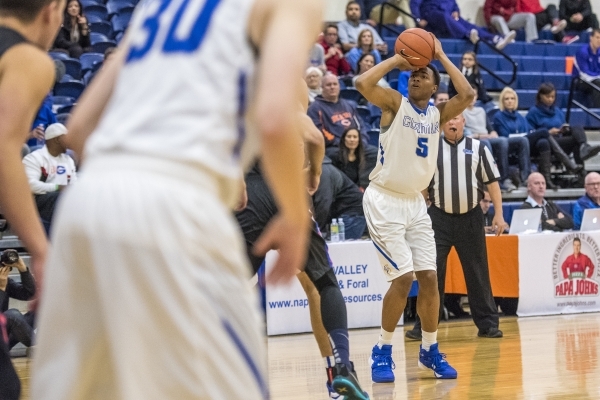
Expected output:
(416, 45)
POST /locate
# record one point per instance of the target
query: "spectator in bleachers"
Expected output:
(504, 15)
(578, 14)
(470, 70)
(372, 10)
(44, 118)
(316, 56)
(334, 58)
(49, 170)
(488, 214)
(350, 159)
(365, 63)
(587, 68)
(313, 77)
(19, 327)
(338, 197)
(509, 122)
(545, 114)
(477, 122)
(74, 34)
(365, 46)
(545, 18)
(443, 18)
(440, 97)
(350, 29)
(591, 199)
(553, 217)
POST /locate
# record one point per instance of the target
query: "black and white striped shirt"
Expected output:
(462, 170)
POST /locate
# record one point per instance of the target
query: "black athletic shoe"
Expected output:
(414, 334)
(346, 384)
(490, 333)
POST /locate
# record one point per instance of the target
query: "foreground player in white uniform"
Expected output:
(147, 294)
(395, 210)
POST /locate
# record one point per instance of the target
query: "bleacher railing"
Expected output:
(572, 101)
(503, 54)
(381, 13)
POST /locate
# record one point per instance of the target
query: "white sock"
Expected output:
(429, 339)
(329, 361)
(385, 337)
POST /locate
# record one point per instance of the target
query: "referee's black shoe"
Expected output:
(490, 333)
(414, 334)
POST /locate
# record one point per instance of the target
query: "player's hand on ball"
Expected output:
(403, 64)
(291, 241)
(438, 47)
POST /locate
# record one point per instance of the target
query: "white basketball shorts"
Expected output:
(146, 292)
(401, 231)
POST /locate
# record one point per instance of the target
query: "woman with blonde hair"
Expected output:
(365, 45)
(508, 122)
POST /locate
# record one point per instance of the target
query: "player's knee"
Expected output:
(402, 284)
(427, 280)
(327, 280)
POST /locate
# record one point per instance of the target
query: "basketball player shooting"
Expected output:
(395, 210)
(147, 293)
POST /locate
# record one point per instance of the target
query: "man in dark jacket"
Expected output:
(18, 326)
(553, 218)
(578, 14)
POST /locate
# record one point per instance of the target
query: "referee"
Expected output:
(464, 166)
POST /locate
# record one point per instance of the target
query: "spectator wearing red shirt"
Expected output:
(504, 15)
(334, 58)
(577, 264)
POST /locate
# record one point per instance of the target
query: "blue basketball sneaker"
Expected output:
(346, 384)
(435, 361)
(382, 364)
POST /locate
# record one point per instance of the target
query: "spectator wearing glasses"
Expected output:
(590, 200)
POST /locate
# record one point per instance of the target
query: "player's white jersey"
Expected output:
(408, 150)
(183, 90)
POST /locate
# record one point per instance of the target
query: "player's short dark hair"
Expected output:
(24, 10)
(436, 74)
(577, 240)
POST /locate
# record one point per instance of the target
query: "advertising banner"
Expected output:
(358, 272)
(558, 273)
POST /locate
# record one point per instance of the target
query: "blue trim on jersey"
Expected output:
(255, 371)
(241, 112)
(418, 110)
(386, 256)
(382, 159)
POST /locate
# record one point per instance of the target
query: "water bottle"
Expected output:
(335, 235)
(341, 230)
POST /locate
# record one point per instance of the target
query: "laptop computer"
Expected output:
(525, 221)
(590, 220)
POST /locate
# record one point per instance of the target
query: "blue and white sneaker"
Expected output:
(346, 384)
(382, 364)
(435, 361)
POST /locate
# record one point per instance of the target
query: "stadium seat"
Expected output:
(526, 98)
(88, 60)
(100, 47)
(85, 3)
(490, 62)
(529, 80)
(393, 83)
(374, 137)
(534, 49)
(71, 89)
(365, 114)
(58, 55)
(103, 28)
(557, 50)
(351, 94)
(578, 117)
(393, 74)
(62, 100)
(97, 37)
(114, 6)
(515, 49)
(73, 67)
(560, 81)
(529, 64)
(97, 10)
(68, 78)
(554, 64)
(94, 18)
(119, 23)
(126, 12)
(593, 123)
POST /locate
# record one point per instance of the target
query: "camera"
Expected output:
(9, 256)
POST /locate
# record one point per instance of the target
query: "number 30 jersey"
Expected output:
(182, 92)
(408, 150)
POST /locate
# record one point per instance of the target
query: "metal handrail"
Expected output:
(577, 103)
(395, 7)
(503, 54)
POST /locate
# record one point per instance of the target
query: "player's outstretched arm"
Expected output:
(457, 104)
(284, 31)
(387, 99)
(90, 106)
(27, 77)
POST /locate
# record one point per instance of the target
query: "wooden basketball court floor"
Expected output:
(553, 357)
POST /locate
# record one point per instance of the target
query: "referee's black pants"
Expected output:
(465, 232)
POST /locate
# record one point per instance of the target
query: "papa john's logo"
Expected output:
(575, 266)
